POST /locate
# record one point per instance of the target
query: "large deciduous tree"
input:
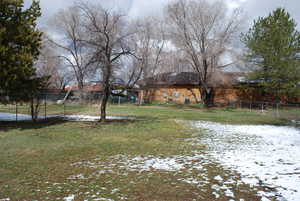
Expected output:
(20, 43)
(109, 40)
(51, 64)
(150, 44)
(203, 31)
(68, 26)
(274, 44)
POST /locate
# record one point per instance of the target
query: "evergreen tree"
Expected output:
(274, 45)
(20, 42)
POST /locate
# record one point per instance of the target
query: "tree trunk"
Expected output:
(106, 91)
(34, 107)
(207, 96)
(104, 101)
(32, 110)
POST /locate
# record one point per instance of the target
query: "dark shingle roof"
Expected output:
(215, 79)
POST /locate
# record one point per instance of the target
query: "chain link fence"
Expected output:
(289, 111)
(59, 105)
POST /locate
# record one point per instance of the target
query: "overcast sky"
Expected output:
(138, 8)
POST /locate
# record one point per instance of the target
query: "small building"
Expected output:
(183, 88)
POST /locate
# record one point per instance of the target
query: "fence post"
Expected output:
(64, 109)
(251, 106)
(277, 109)
(16, 111)
(262, 107)
(45, 106)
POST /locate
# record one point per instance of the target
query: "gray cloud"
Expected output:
(138, 8)
(256, 8)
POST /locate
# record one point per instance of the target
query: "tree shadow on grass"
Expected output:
(42, 123)
(29, 124)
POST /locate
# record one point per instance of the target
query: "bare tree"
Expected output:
(109, 40)
(68, 25)
(51, 64)
(203, 31)
(150, 44)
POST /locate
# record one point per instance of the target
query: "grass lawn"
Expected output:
(54, 160)
(222, 115)
(58, 160)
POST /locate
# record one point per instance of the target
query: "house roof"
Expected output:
(88, 88)
(215, 79)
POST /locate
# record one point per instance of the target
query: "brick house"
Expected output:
(182, 88)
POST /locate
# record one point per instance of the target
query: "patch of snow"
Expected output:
(190, 181)
(12, 117)
(113, 191)
(104, 199)
(144, 163)
(5, 199)
(95, 118)
(216, 195)
(265, 199)
(216, 187)
(69, 198)
(218, 178)
(265, 155)
(229, 193)
(24, 117)
(141, 163)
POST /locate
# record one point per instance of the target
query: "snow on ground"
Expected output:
(72, 198)
(69, 198)
(12, 117)
(145, 163)
(23, 117)
(94, 118)
(265, 155)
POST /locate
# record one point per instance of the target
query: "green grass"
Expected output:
(50, 109)
(36, 162)
(45, 151)
(222, 115)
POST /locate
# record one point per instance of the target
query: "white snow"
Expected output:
(104, 199)
(12, 117)
(69, 198)
(218, 178)
(23, 117)
(145, 163)
(141, 163)
(5, 199)
(265, 155)
(94, 118)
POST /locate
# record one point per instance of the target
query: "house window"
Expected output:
(176, 94)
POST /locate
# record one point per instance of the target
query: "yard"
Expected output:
(167, 153)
